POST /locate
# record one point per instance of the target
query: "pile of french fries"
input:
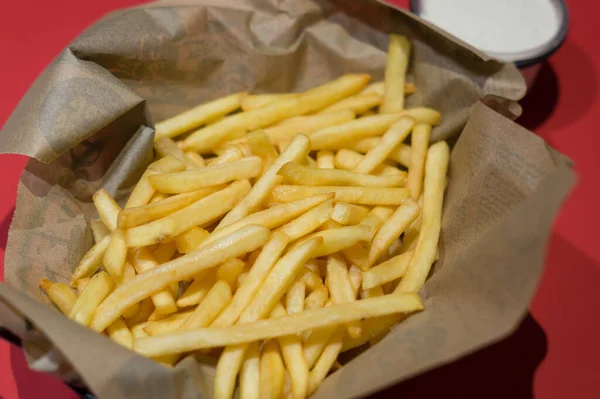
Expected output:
(274, 237)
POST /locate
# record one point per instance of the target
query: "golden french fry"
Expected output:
(392, 229)
(287, 129)
(308, 222)
(91, 261)
(145, 284)
(195, 158)
(294, 298)
(379, 88)
(143, 191)
(255, 101)
(230, 154)
(311, 278)
(228, 366)
(99, 230)
(166, 147)
(436, 167)
(400, 154)
(262, 266)
(128, 274)
(93, 294)
(190, 240)
(411, 235)
(335, 240)
(357, 255)
(340, 288)
(60, 294)
(348, 160)
(261, 146)
(331, 92)
(325, 159)
(316, 343)
(387, 271)
(390, 140)
(136, 216)
(81, 283)
(250, 373)
(200, 212)
(395, 74)
(241, 334)
(359, 103)
(119, 332)
(213, 304)
(278, 280)
(372, 328)
(293, 356)
(168, 324)
(107, 208)
(371, 292)
(192, 180)
(375, 219)
(272, 217)
(303, 175)
(326, 360)
(272, 371)
(116, 254)
(230, 271)
(317, 298)
(354, 195)
(164, 302)
(195, 293)
(198, 116)
(419, 145)
(355, 276)
(296, 151)
(145, 309)
(348, 214)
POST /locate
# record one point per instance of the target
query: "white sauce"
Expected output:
(507, 29)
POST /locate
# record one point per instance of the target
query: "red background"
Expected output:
(555, 351)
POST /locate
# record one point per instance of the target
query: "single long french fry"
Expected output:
(250, 373)
(395, 74)
(230, 271)
(294, 298)
(436, 167)
(308, 222)
(202, 211)
(145, 284)
(303, 175)
(348, 214)
(136, 216)
(198, 116)
(116, 254)
(340, 289)
(213, 304)
(390, 140)
(387, 271)
(400, 154)
(229, 364)
(190, 240)
(91, 261)
(348, 160)
(193, 180)
(143, 260)
(359, 103)
(255, 101)
(354, 195)
(240, 334)
(293, 356)
(297, 151)
(99, 230)
(278, 280)
(326, 360)
(272, 217)
(143, 191)
(272, 371)
(107, 208)
(197, 291)
(60, 294)
(411, 235)
(325, 159)
(355, 276)
(419, 145)
(392, 228)
(93, 294)
(261, 146)
(287, 129)
(119, 332)
(245, 293)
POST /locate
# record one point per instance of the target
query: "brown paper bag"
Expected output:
(87, 123)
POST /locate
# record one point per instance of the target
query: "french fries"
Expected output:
(285, 246)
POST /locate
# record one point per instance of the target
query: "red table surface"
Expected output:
(553, 354)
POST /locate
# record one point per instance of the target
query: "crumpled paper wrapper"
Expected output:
(87, 123)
